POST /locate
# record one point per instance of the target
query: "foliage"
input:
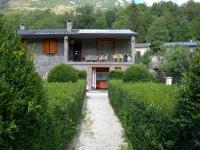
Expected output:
(63, 73)
(137, 73)
(176, 62)
(186, 128)
(145, 110)
(162, 22)
(146, 58)
(82, 74)
(22, 97)
(65, 102)
(116, 74)
(158, 34)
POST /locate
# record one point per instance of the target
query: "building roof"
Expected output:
(142, 45)
(188, 44)
(76, 32)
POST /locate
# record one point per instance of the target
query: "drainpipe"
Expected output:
(133, 48)
(66, 49)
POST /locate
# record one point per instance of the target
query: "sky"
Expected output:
(150, 2)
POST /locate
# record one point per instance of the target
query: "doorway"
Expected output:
(76, 50)
(102, 78)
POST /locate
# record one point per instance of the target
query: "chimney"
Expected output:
(22, 27)
(69, 26)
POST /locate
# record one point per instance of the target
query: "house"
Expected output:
(190, 45)
(93, 50)
(142, 48)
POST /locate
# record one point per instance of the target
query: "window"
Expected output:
(50, 46)
(118, 68)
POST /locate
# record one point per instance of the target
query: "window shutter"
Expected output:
(53, 46)
(46, 46)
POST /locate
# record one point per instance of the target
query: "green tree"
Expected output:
(187, 133)
(85, 17)
(100, 20)
(176, 62)
(146, 58)
(22, 97)
(158, 34)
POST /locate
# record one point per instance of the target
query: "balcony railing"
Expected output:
(116, 58)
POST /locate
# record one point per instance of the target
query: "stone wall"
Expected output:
(45, 62)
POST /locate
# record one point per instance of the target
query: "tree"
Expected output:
(100, 20)
(187, 135)
(85, 18)
(146, 58)
(176, 62)
(22, 97)
(158, 34)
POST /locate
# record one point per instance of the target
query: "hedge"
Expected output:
(138, 73)
(145, 110)
(63, 73)
(116, 74)
(64, 111)
(82, 74)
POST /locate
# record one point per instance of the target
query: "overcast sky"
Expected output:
(150, 2)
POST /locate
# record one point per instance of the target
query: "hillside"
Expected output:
(58, 6)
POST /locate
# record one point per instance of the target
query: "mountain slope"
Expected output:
(58, 6)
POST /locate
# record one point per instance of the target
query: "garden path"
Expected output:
(100, 128)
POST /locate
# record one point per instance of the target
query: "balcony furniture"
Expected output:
(90, 58)
(103, 58)
(118, 57)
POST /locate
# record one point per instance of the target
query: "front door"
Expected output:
(102, 78)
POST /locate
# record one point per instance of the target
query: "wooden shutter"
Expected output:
(46, 46)
(53, 46)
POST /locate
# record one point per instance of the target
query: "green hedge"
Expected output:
(64, 110)
(145, 110)
(82, 74)
(138, 73)
(63, 73)
(116, 74)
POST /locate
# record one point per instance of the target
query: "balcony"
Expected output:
(116, 59)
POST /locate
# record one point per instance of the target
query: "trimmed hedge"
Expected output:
(146, 110)
(64, 110)
(82, 74)
(116, 74)
(63, 73)
(137, 73)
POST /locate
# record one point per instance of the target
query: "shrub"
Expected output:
(82, 74)
(64, 110)
(145, 110)
(187, 123)
(146, 58)
(22, 97)
(63, 73)
(115, 74)
(176, 62)
(137, 73)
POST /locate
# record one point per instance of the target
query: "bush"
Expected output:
(82, 74)
(22, 97)
(145, 110)
(137, 73)
(176, 62)
(64, 110)
(116, 74)
(187, 124)
(63, 73)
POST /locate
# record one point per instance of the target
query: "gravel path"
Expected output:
(100, 128)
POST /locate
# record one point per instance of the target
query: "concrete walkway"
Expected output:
(100, 128)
